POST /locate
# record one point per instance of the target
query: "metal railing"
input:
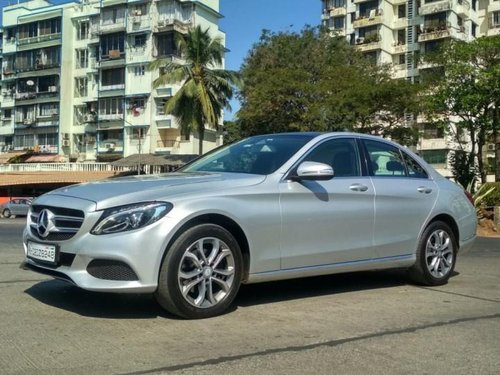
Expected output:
(61, 167)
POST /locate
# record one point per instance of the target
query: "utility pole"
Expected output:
(139, 130)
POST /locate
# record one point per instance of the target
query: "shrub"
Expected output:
(492, 199)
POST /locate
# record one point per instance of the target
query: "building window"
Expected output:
(81, 87)
(83, 30)
(139, 10)
(139, 70)
(165, 44)
(338, 23)
(473, 29)
(401, 37)
(402, 59)
(140, 41)
(435, 156)
(113, 16)
(112, 45)
(82, 58)
(402, 11)
(7, 113)
(431, 131)
(495, 19)
(49, 109)
(112, 77)
(111, 106)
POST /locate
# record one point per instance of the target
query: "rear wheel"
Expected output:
(6, 213)
(436, 255)
(201, 273)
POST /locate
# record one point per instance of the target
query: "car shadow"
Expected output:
(67, 297)
(255, 294)
(64, 296)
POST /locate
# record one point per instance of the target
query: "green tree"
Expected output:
(467, 90)
(311, 81)
(206, 89)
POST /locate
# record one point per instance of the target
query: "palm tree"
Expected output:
(206, 90)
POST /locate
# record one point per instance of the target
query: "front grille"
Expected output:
(67, 222)
(111, 270)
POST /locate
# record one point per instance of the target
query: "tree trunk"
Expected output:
(201, 137)
(480, 144)
(496, 139)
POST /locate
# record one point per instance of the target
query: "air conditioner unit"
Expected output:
(109, 145)
(66, 143)
(52, 88)
(162, 23)
(360, 40)
(65, 136)
(136, 20)
(28, 121)
(491, 147)
(137, 12)
(90, 139)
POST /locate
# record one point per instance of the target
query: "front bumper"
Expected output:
(123, 262)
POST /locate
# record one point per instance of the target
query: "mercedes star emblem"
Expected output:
(45, 223)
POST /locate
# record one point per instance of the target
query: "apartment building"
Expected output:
(396, 32)
(75, 80)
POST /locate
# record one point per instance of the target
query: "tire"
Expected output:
(197, 285)
(436, 255)
(6, 213)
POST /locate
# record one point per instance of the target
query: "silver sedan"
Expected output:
(269, 207)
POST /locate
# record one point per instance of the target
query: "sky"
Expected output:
(245, 19)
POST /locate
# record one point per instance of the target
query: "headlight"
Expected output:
(125, 218)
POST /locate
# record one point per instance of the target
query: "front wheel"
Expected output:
(6, 213)
(436, 255)
(201, 273)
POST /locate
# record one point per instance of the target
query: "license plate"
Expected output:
(43, 252)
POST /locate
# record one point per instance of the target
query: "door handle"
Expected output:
(424, 189)
(358, 187)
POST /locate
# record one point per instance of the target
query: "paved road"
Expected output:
(367, 323)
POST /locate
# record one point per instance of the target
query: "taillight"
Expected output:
(469, 197)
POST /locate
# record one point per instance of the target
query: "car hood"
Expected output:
(126, 190)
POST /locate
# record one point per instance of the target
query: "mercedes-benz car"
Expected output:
(269, 207)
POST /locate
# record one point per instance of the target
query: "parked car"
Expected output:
(18, 207)
(269, 207)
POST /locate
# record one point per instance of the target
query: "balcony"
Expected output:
(398, 48)
(435, 7)
(110, 146)
(369, 43)
(52, 95)
(137, 23)
(40, 41)
(400, 23)
(167, 145)
(114, 27)
(397, 2)
(434, 34)
(111, 90)
(111, 117)
(399, 71)
(334, 12)
(493, 6)
(463, 8)
(494, 29)
(172, 24)
(433, 144)
(113, 58)
(374, 18)
(49, 68)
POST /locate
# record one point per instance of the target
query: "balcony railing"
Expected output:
(168, 23)
(433, 34)
(368, 20)
(38, 39)
(434, 7)
(61, 167)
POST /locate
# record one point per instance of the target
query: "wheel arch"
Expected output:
(451, 223)
(227, 223)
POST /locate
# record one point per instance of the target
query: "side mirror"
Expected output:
(310, 170)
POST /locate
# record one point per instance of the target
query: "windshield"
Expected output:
(262, 154)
